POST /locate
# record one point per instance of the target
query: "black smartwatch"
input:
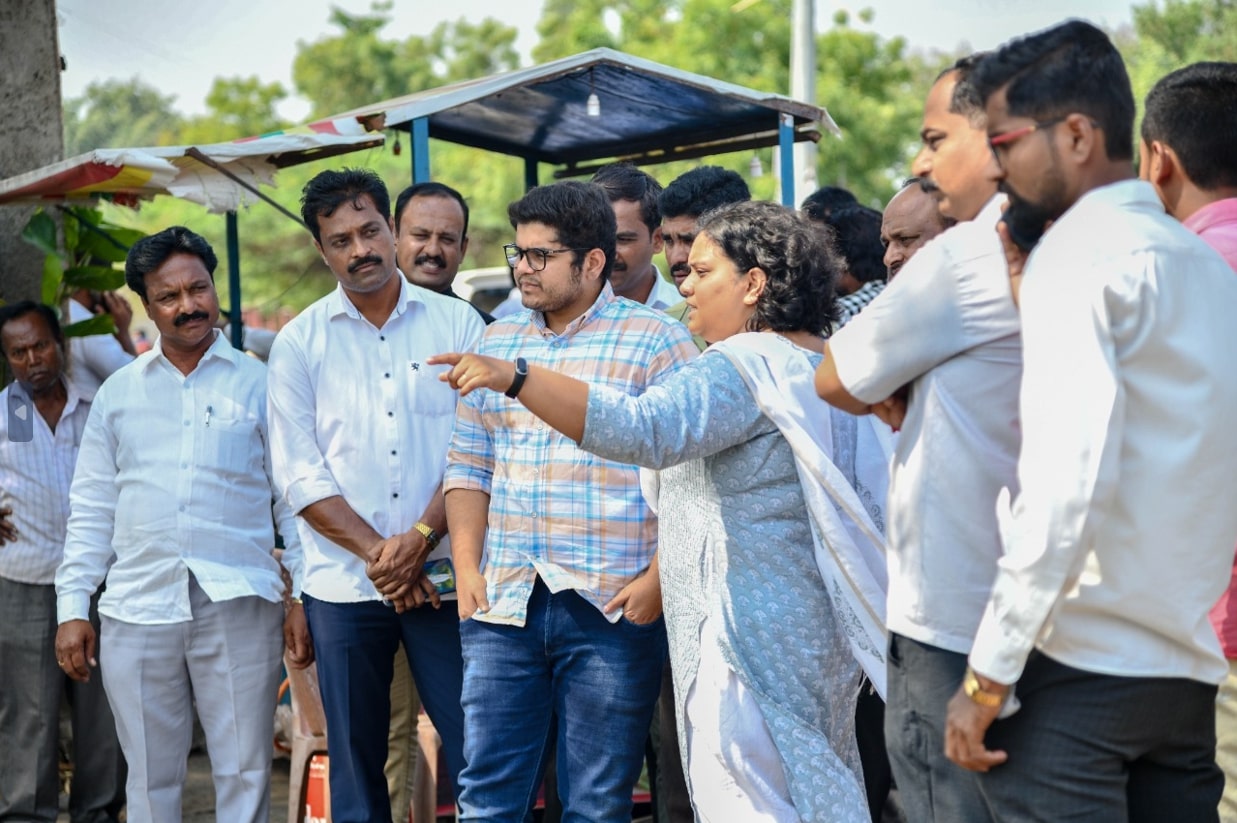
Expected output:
(521, 373)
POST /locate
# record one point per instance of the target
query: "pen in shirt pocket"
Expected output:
(206, 419)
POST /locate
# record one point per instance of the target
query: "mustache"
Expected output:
(927, 186)
(430, 258)
(189, 317)
(363, 261)
(680, 269)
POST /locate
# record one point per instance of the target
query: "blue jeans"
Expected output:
(355, 645)
(600, 679)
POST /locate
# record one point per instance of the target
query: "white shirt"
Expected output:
(34, 481)
(948, 326)
(95, 357)
(173, 478)
(1122, 537)
(664, 294)
(355, 412)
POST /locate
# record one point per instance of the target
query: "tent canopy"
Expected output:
(649, 113)
(222, 182)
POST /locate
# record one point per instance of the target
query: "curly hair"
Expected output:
(798, 260)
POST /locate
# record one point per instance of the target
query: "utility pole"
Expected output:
(31, 130)
(803, 87)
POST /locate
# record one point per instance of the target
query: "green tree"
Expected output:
(874, 89)
(119, 113)
(470, 50)
(235, 107)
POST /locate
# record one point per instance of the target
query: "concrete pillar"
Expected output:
(31, 131)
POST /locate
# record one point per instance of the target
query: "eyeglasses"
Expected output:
(537, 258)
(996, 141)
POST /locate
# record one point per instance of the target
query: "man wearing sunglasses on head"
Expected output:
(554, 548)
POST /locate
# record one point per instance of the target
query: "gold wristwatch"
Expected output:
(432, 539)
(972, 688)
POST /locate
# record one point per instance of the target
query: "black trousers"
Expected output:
(1098, 748)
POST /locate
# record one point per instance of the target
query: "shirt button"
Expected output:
(392, 451)
(382, 337)
(396, 494)
(390, 414)
(534, 514)
(387, 374)
(182, 508)
(186, 422)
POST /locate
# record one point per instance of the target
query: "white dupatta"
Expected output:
(850, 549)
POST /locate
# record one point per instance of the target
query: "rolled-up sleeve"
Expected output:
(470, 460)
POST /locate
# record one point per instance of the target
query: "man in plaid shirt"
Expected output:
(554, 548)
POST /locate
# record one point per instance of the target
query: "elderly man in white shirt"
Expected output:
(947, 327)
(42, 415)
(171, 505)
(1121, 538)
(360, 427)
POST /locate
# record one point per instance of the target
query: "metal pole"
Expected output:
(530, 173)
(420, 150)
(803, 83)
(237, 323)
(785, 149)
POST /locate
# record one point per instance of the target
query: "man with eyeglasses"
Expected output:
(1121, 537)
(947, 327)
(554, 548)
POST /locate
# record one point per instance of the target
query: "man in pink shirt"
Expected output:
(1187, 154)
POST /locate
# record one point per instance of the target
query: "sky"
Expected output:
(181, 46)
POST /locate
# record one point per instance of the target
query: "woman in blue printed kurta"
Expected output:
(764, 674)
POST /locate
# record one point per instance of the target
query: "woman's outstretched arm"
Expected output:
(557, 399)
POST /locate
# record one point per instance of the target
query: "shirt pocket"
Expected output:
(231, 441)
(429, 396)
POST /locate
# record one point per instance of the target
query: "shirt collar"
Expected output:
(1122, 194)
(991, 212)
(341, 304)
(1218, 213)
(73, 394)
(664, 294)
(605, 298)
(220, 349)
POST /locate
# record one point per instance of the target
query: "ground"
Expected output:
(199, 798)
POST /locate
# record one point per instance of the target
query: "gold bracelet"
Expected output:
(972, 688)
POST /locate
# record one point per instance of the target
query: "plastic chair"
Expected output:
(308, 739)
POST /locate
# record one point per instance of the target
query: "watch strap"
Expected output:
(521, 374)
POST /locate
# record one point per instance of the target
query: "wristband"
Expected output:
(521, 373)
